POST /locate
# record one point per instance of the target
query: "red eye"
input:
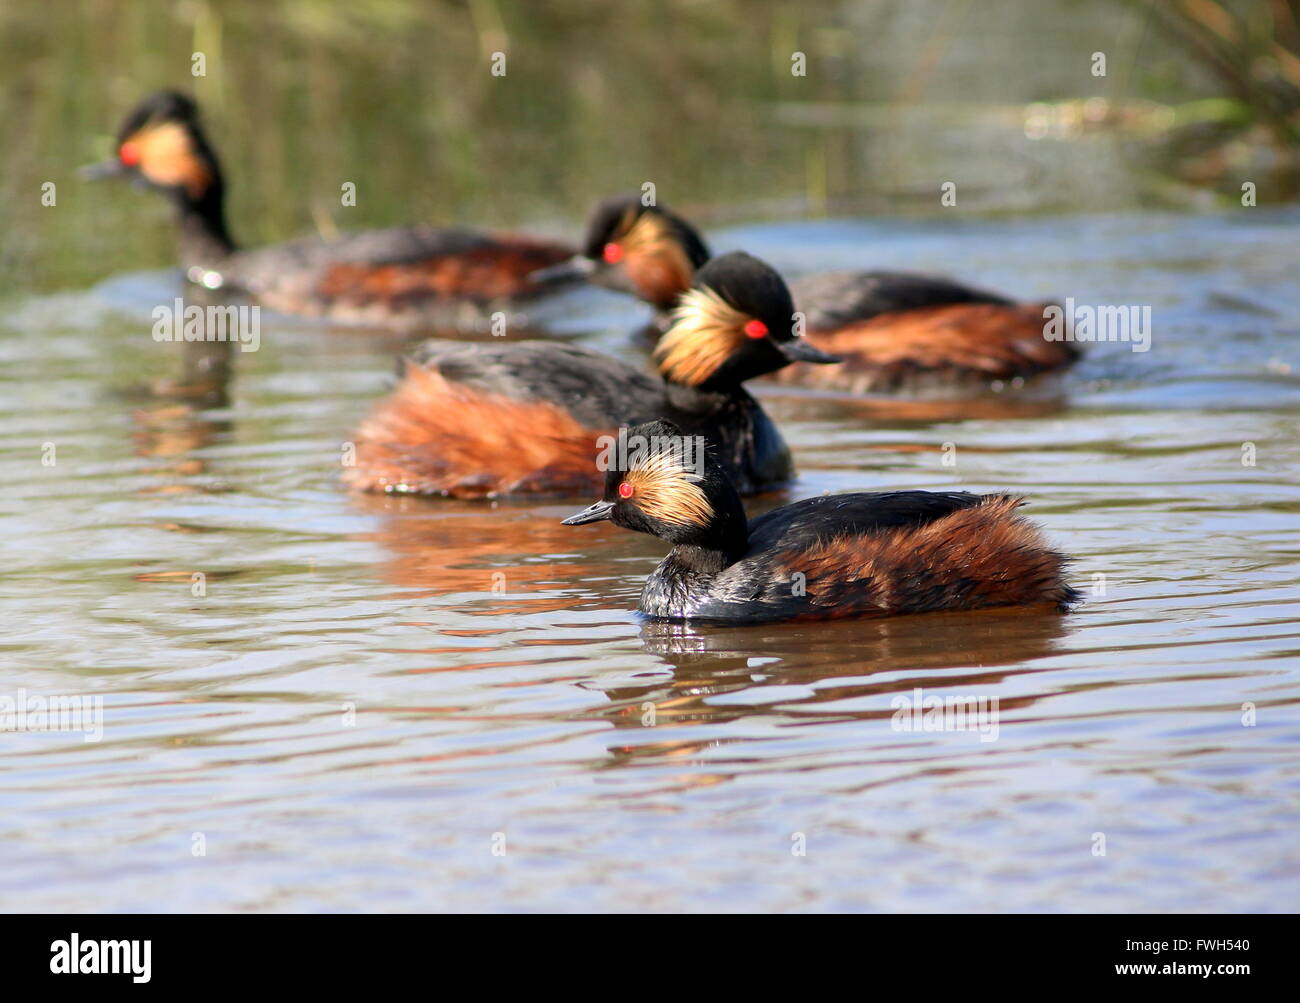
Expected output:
(129, 154)
(613, 254)
(625, 490)
(756, 329)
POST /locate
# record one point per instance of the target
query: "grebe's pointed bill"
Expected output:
(798, 350)
(106, 169)
(577, 267)
(592, 513)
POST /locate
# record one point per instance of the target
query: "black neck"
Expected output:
(695, 399)
(704, 560)
(728, 540)
(203, 239)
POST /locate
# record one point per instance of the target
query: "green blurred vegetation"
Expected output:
(698, 97)
(1251, 47)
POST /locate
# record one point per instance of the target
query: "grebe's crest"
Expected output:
(671, 485)
(736, 323)
(645, 250)
(651, 233)
(624, 220)
(160, 140)
(706, 332)
(662, 484)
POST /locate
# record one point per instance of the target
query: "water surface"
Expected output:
(374, 694)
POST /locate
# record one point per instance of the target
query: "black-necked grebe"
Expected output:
(894, 330)
(849, 555)
(399, 278)
(487, 420)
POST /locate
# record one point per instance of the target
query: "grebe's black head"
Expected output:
(663, 482)
(737, 323)
(645, 250)
(161, 145)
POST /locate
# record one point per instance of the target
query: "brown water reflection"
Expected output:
(173, 420)
(441, 547)
(707, 661)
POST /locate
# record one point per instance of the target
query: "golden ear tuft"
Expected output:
(706, 331)
(647, 233)
(663, 488)
(651, 253)
(165, 155)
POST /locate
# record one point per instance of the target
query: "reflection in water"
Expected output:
(172, 432)
(709, 660)
(205, 372)
(173, 424)
(841, 663)
(1042, 402)
(445, 546)
(206, 367)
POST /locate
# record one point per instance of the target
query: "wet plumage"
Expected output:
(872, 555)
(850, 555)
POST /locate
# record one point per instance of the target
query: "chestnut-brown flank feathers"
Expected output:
(973, 341)
(973, 558)
(396, 278)
(498, 270)
(435, 437)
